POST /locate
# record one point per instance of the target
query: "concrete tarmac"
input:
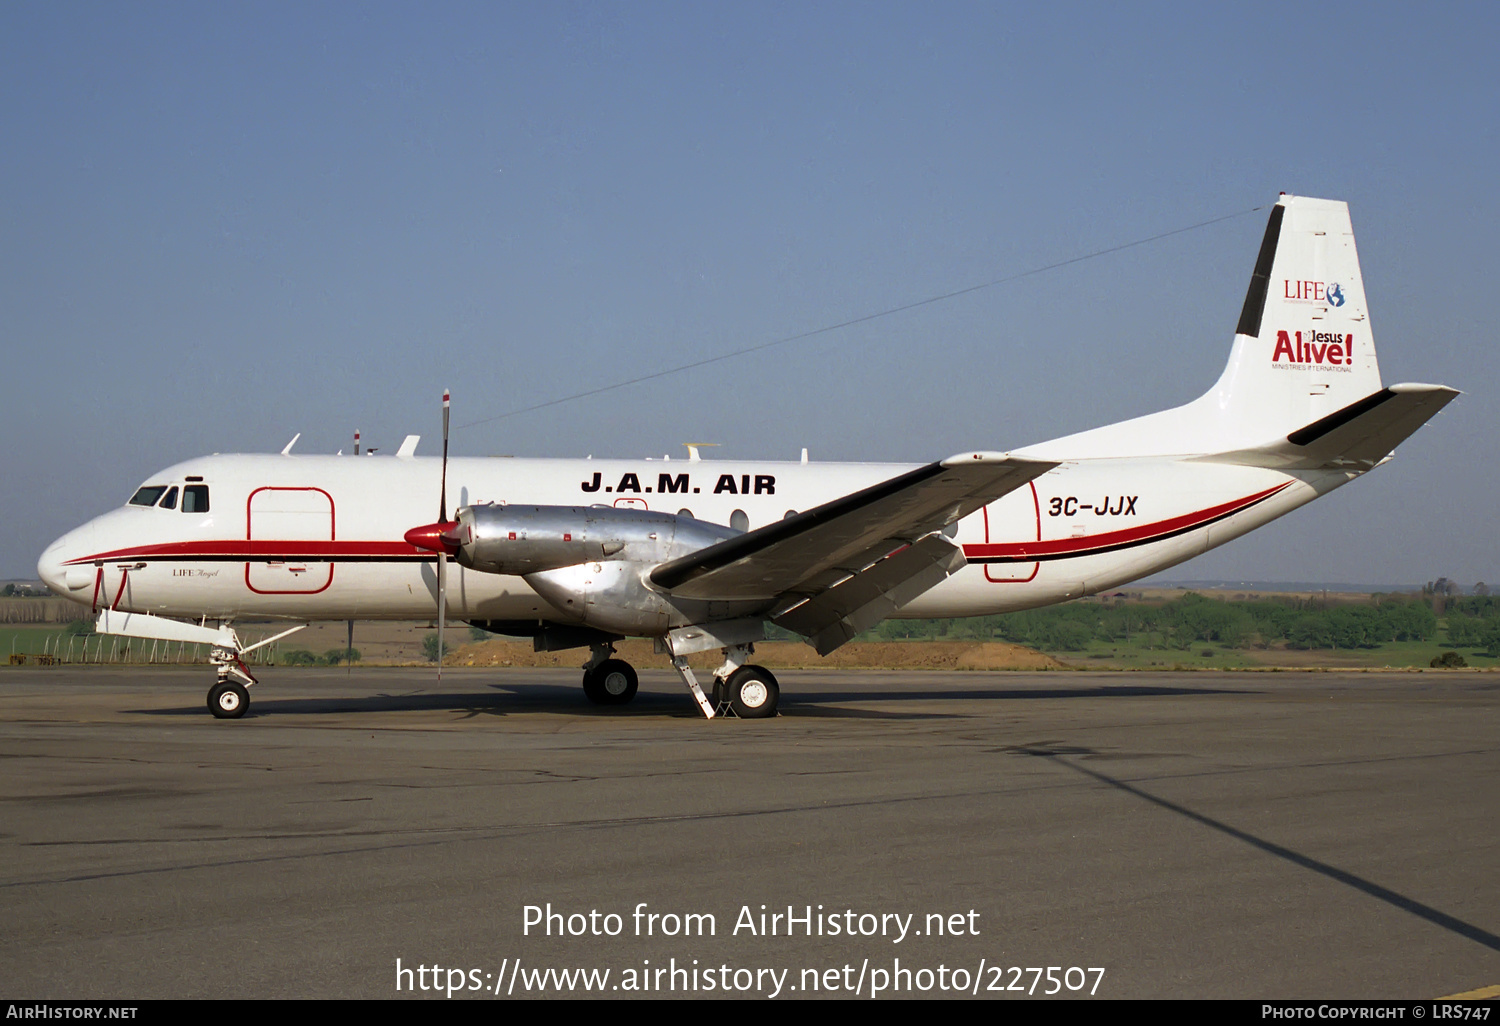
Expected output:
(1247, 835)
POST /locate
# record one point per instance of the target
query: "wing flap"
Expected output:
(811, 551)
(859, 602)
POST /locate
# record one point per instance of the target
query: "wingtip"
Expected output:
(987, 458)
(965, 459)
(1419, 386)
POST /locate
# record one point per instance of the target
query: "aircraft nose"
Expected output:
(50, 568)
(70, 582)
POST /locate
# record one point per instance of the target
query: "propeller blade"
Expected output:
(443, 500)
(442, 582)
(429, 536)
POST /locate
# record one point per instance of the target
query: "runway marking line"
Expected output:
(1474, 995)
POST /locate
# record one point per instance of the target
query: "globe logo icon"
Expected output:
(1335, 295)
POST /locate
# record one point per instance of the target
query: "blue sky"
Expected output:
(225, 224)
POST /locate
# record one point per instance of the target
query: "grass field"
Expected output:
(1209, 656)
(402, 642)
(387, 643)
(28, 640)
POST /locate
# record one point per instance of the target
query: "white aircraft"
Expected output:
(701, 554)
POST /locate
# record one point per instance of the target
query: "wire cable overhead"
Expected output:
(863, 319)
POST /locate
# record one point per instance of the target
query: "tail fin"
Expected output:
(1303, 348)
(1303, 351)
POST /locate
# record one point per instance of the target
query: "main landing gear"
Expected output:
(743, 689)
(751, 693)
(739, 688)
(608, 681)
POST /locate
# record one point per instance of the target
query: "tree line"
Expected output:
(1192, 619)
(1474, 622)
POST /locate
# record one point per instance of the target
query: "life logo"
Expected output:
(1331, 293)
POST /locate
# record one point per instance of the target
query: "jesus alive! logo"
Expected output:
(1325, 348)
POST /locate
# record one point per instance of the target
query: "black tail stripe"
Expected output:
(1260, 280)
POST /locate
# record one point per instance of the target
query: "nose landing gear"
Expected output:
(228, 698)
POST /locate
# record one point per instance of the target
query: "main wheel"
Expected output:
(228, 700)
(612, 682)
(753, 692)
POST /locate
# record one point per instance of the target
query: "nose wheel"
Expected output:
(228, 700)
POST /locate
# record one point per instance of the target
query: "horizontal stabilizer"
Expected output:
(1356, 437)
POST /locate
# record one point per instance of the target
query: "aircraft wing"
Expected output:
(857, 557)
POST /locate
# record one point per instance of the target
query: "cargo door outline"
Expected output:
(1013, 573)
(274, 514)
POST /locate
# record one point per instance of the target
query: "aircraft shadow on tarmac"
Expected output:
(504, 699)
(1072, 758)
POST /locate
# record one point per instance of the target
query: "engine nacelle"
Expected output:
(617, 596)
(523, 540)
(591, 563)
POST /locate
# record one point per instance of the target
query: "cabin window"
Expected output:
(739, 521)
(686, 513)
(195, 499)
(148, 495)
(169, 501)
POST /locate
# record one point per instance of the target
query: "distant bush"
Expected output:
(1182, 623)
(335, 656)
(299, 657)
(1449, 660)
(430, 648)
(79, 629)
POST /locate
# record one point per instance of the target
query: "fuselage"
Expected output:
(322, 537)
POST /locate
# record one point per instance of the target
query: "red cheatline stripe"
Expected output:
(1029, 550)
(258, 549)
(231, 550)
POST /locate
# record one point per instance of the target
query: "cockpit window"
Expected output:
(195, 499)
(169, 501)
(148, 495)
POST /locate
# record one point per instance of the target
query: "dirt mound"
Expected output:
(788, 655)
